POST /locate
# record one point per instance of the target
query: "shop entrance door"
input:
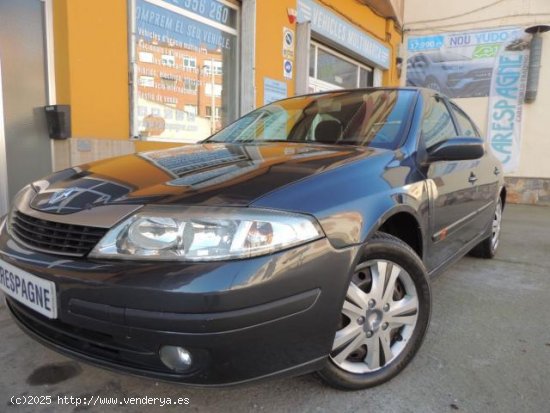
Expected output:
(25, 148)
(316, 85)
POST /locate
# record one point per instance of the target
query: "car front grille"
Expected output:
(55, 237)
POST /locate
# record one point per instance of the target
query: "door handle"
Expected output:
(496, 171)
(473, 178)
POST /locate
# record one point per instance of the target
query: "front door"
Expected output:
(452, 184)
(26, 145)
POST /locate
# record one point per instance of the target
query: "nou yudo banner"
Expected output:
(491, 64)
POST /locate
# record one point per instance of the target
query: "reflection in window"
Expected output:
(168, 60)
(437, 125)
(190, 85)
(189, 62)
(217, 89)
(312, 61)
(146, 57)
(335, 71)
(217, 67)
(147, 81)
(332, 69)
(209, 111)
(366, 78)
(467, 127)
(375, 119)
(190, 109)
(184, 66)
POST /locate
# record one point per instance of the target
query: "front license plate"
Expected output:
(28, 289)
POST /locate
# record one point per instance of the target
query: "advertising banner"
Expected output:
(338, 30)
(491, 63)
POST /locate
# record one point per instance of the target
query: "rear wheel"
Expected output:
(488, 247)
(384, 316)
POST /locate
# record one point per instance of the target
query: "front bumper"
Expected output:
(241, 319)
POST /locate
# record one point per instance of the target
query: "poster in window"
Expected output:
(185, 63)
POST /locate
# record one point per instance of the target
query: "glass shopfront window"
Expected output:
(329, 70)
(184, 50)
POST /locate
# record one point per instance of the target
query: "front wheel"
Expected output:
(384, 316)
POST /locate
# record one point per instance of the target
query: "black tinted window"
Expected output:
(467, 128)
(437, 125)
(374, 118)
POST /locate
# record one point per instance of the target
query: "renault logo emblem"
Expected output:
(61, 195)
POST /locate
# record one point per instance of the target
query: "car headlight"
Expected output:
(205, 234)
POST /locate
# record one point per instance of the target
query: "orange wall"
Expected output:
(92, 66)
(358, 14)
(271, 17)
(91, 57)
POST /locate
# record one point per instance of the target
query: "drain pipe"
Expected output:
(535, 55)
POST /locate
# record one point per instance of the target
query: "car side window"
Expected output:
(466, 125)
(437, 124)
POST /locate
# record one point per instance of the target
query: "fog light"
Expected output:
(176, 358)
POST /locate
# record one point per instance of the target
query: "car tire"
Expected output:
(488, 247)
(390, 314)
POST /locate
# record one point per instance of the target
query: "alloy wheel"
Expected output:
(497, 221)
(378, 318)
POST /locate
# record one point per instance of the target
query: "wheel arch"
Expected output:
(404, 223)
(503, 194)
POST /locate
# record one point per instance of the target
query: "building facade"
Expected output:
(147, 74)
(493, 58)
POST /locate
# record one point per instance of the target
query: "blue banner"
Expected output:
(210, 9)
(506, 106)
(158, 24)
(333, 27)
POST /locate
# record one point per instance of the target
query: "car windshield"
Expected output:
(365, 118)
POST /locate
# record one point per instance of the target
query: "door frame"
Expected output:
(49, 66)
(3, 160)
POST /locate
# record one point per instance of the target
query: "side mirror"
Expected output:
(457, 149)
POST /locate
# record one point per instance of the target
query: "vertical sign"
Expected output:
(506, 104)
(288, 43)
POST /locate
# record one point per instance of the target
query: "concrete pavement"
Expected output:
(487, 350)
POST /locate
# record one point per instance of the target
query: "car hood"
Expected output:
(211, 174)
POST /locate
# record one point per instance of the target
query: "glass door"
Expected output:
(3, 165)
(330, 70)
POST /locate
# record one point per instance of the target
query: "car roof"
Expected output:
(418, 90)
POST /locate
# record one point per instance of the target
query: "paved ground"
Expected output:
(487, 350)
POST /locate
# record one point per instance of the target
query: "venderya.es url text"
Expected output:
(98, 401)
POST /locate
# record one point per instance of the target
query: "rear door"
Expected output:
(452, 185)
(486, 174)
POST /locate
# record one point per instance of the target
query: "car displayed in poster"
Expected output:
(450, 73)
